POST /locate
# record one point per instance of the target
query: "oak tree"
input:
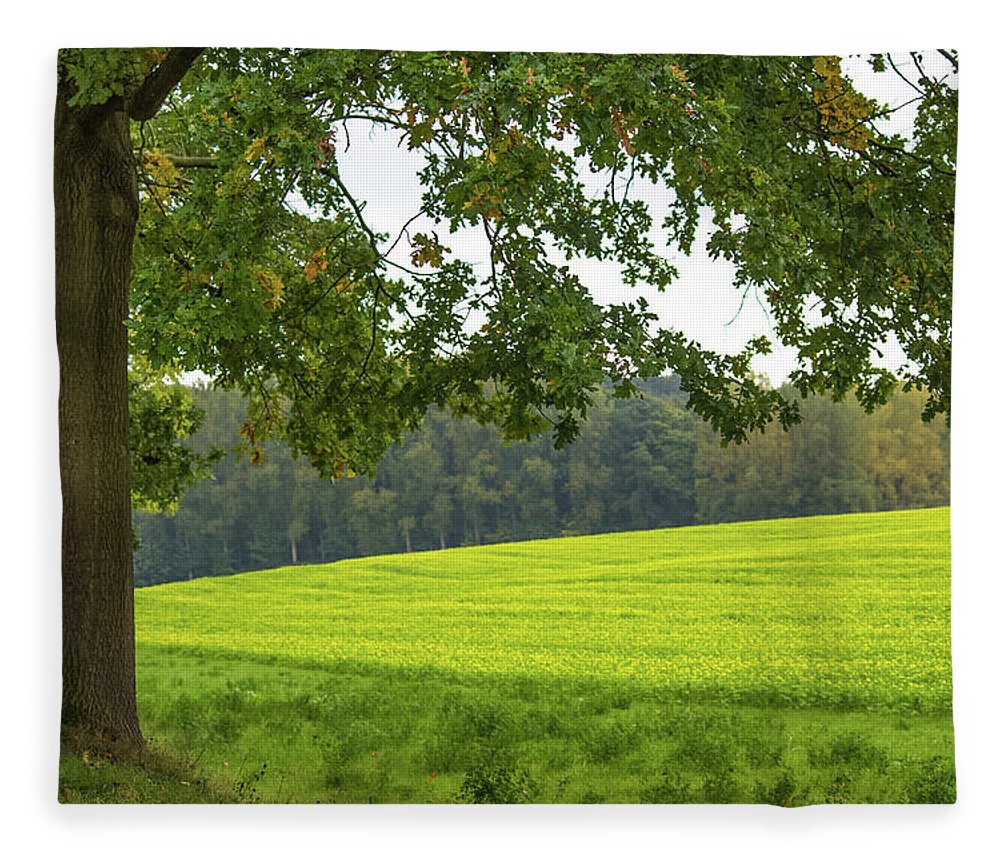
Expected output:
(203, 223)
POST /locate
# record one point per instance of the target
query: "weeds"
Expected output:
(784, 792)
(934, 782)
(497, 779)
(246, 787)
(850, 749)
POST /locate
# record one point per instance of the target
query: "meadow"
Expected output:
(790, 662)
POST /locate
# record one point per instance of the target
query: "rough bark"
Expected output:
(146, 101)
(96, 212)
(96, 204)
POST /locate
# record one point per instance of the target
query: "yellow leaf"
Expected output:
(257, 148)
(273, 288)
(166, 178)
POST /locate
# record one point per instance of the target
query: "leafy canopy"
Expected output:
(844, 229)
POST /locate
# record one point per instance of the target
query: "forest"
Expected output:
(642, 463)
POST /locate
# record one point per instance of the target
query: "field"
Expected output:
(786, 661)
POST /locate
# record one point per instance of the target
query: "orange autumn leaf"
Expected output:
(316, 264)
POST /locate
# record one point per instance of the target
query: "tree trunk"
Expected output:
(96, 203)
(295, 552)
(187, 554)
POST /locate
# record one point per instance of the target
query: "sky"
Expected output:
(702, 302)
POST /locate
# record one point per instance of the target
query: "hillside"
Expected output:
(833, 610)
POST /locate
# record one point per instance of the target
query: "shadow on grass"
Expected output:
(116, 775)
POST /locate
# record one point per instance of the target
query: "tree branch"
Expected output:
(901, 75)
(904, 152)
(924, 78)
(158, 84)
(951, 58)
(182, 161)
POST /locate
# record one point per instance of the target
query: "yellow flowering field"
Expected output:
(841, 611)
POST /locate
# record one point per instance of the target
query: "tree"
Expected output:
(908, 459)
(173, 170)
(474, 477)
(420, 479)
(300, 512)
(651, 443)
(372, 519)
(534, 490)
(590, 478)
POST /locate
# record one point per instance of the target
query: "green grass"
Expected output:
(787, 661)
(149, 777)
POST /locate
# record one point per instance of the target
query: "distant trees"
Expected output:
(638, 464)
(838, 459)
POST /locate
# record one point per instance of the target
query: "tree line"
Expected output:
(638, 464)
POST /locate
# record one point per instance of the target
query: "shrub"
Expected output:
(934, 782)
(496, 781)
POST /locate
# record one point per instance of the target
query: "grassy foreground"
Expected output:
(787, 662)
